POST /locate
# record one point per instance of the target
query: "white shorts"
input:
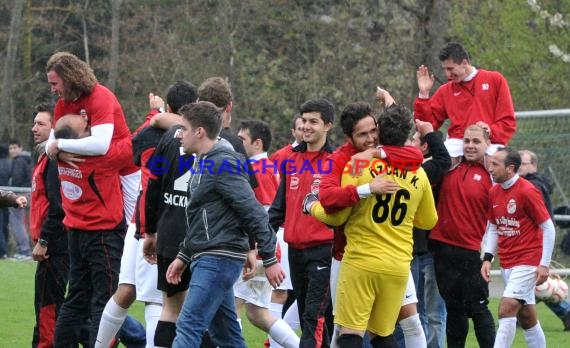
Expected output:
(335, 268)
(520, 283)
(257, 290)
(410, 295)
(130, 185)
(135, 270)
(455, 147)
(286, 285)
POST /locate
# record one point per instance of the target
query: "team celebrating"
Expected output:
(384, 241)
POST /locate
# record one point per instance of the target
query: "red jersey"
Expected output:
(39, 203)
(279, 156)
(91, 195)
(303, 172)
(518, 212)
(267, 179)
(151, 113)
(100, 106)
(485, 98)
(462, 207)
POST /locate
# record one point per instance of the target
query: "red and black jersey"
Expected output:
(267, 180)
(279, 156)
(302, 174)
(144, 145)
(518, 212)
(167, 193)
(91, 195)
(462, 207)
(46, 213)
(101, 107)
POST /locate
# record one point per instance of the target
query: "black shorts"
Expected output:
(163, 285)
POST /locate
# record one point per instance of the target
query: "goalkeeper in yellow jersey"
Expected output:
(376, 263)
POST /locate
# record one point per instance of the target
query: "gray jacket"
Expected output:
(222, 214)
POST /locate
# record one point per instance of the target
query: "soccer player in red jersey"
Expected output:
(456, 240)
(521, 227)
(471, 96)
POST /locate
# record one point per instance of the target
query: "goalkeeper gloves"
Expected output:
(310, 199)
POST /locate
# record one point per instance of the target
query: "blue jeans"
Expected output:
(132, 333)
(431, 305)
(560, 309)
(209, 304)
(17, 217)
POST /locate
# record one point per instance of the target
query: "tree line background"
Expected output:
(276, 53)
(279, 53)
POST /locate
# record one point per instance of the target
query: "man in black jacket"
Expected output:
(21, 176)
(48, 234)
(529, 171)
(222, 217)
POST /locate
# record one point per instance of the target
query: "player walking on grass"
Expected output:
(310, 241)
(521, 227)
(255, 293)
(222, 216)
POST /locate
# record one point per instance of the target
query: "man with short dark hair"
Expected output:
(379, 227)
(222, 216)
(471, 96)
(361, 134)
(310, 241)
(456, 241)
(48, 234)
(520, 226)
(94, 218)
(529, 171)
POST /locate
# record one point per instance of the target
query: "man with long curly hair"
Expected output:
(95, 244)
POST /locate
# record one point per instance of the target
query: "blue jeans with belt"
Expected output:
(210, 305)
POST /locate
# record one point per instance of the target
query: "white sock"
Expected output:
(506, 332)
(151, 315)
(534, 336)
(283, 334)
(291, 317)
(239, 322)
(275, 309)
(111, 320)
(414, 335)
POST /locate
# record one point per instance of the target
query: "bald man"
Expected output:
(93, 206)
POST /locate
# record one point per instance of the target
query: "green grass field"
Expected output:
(17, 314)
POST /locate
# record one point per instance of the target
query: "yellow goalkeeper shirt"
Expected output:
(379, 228)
